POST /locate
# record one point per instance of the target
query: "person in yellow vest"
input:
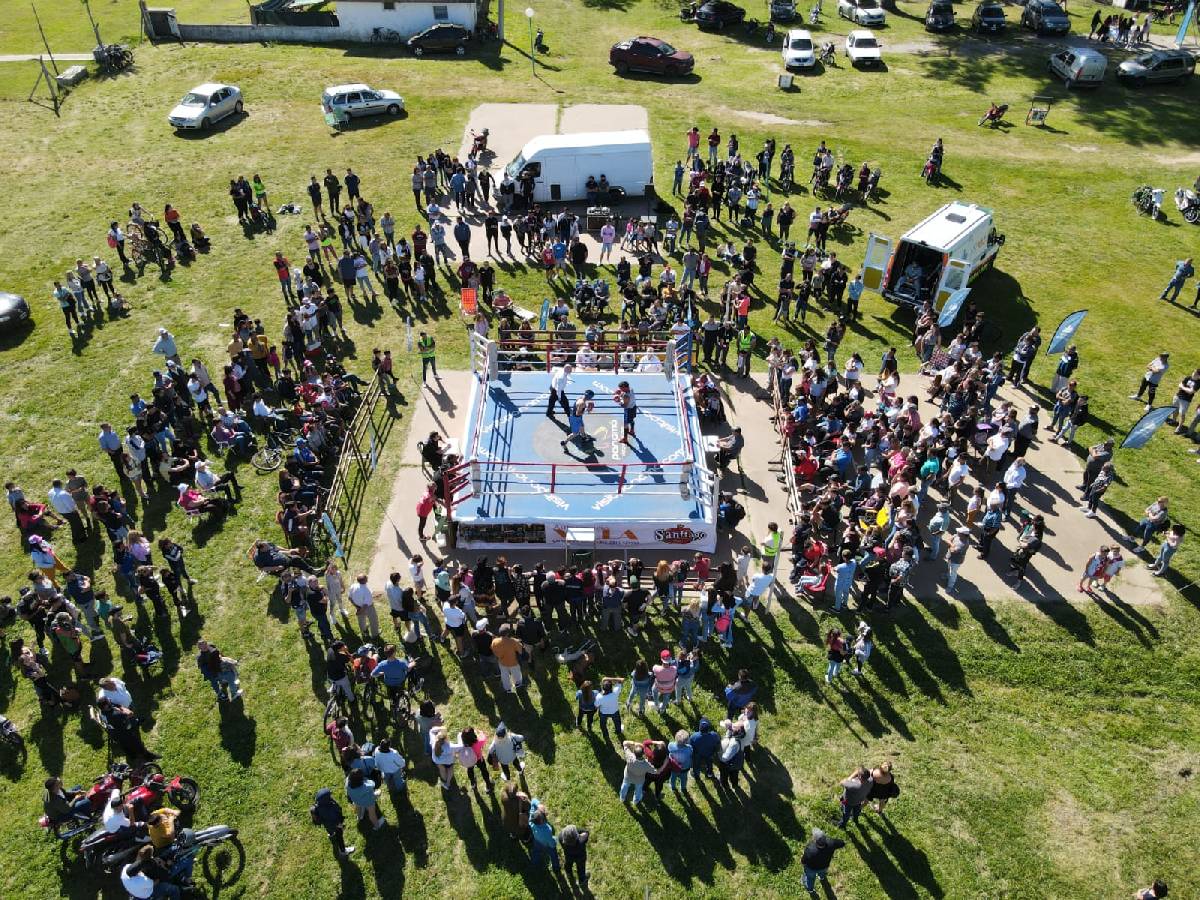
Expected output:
(745, 344)
(426, 347)
(771, 543)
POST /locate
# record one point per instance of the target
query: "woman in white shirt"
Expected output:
(456, 623)
(391, 765)
(444, 753)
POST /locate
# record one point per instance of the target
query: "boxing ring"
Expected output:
(518, 485)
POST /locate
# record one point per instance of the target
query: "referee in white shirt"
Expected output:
(559, 376)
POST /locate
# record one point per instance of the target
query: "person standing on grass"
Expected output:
(608, 704)
(544, 845)
(360, 790)
(855, 790)
(574, 843)
(1167, 549)
(505, 750)
(507, 651)
(1155, 371)
(327, 813)
(637, 768)
(1183, 271)
(817, 857)
(705, 742)
(363, 601)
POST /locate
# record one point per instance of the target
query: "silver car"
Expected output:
(359, 100)
(1156, 67)
(205, 105)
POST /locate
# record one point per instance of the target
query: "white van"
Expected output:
(561, 164)
(1078, 66)
(936, 260)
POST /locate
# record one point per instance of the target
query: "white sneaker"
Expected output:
(349, 850)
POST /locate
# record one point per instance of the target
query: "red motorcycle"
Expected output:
(149, 787)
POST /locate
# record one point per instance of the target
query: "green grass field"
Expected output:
(1042, 751)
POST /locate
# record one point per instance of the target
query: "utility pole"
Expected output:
(45, 43)
(95, 27)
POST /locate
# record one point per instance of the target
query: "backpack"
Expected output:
(723, 622)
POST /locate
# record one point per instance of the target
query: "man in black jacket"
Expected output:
(818, 854)
(328, 814)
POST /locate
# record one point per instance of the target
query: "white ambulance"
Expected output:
(936, 260)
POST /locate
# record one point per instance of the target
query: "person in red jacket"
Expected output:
(425, 510)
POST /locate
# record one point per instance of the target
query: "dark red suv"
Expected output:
(647, 54)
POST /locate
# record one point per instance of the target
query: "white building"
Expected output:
(359, 18)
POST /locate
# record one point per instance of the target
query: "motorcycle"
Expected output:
(479, 142)
(109, 850)
(845, 179)
(814, 16)
(840, 215)
(994, 115)
(9, 735)
(1188, 203)
(1148, 201)
(872, 185)
(539, 42)
(787, 178)
(828, 51)
(933, 168)
(181, 791)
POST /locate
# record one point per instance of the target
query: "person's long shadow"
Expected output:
(461, 814)
(934, 649)
(239, 732)
(1126, 616)
(914, 862)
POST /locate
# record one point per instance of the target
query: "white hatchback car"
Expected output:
(862, 12)
(798, 50)
(360, 100)
(205, 105)
(863, 49)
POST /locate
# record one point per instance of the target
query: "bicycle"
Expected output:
(268, 457)
(337, 706)
(385, 36)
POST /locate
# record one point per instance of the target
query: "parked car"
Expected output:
(939, 16)
(445, 38)
(798, 50)
(205, 105)
(783, 10)
(988, 18)
(863, 49)
(649, 54)
(360, 100)
(716, 15)
(13, 309)
(1157, 66)
(861, 12)
(1045, 17)
(1079, 66)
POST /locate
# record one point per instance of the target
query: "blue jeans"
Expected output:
(832, 670)
(679, 779)
(539, 852)
(1145, 530)
(1174, 286)
(850, 811)
(841, 594)
(691, 633)
(935, 546)
(811, 876)
(642, 694)
(637, 791)
(416, 619)
(1165, 552)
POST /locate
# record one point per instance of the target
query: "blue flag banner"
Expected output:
(1181, 34)
(1140, 434)
(544, 318)
(951, 307)
(1065, 331)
